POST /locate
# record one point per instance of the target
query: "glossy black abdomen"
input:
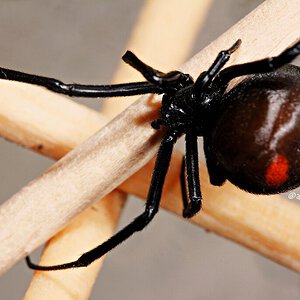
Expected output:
(256, 138)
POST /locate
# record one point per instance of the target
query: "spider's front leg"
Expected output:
(265, 65)
(169, 82)
(139, 223)
(206, 78)
(81, 90)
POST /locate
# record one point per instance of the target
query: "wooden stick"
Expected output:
(127, 147)
(29, 117)
(74, 240)
(80, 236)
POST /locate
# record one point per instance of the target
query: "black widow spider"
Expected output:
(251, 133)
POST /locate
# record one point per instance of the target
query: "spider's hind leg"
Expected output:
(152, 205)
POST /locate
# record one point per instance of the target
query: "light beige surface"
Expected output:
(180, 270)
(76, 284)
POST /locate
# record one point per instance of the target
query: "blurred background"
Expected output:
(171, 259)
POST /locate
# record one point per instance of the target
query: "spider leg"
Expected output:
(184, 196)
(260, 66)
(139, 223)
(216, 175)
(173, 79)
(206, 78)
(81, 90)
(192, 166)
(157, 123)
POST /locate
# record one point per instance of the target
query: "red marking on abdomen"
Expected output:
(276, 173)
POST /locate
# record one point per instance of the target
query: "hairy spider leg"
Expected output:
(191, 163)
(206, 78)
(152, 205)
(259, 66)
(82, 90)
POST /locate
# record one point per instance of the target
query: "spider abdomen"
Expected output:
(256, 138)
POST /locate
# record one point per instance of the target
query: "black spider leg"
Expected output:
(170, 81)
(139, 223)
(206, 78)
(184, 195)
(216, 175)
(260, 66)
(191, 207)
(81, 90)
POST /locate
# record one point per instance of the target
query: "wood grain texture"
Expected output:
(127, 143)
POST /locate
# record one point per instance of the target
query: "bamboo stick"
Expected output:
(78, 283)
(117, 131)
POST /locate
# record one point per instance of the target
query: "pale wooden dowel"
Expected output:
(29, 117)
(60, 248)
(80, 236)
(101, 163)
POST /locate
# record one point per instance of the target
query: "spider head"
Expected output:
(174, 81)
